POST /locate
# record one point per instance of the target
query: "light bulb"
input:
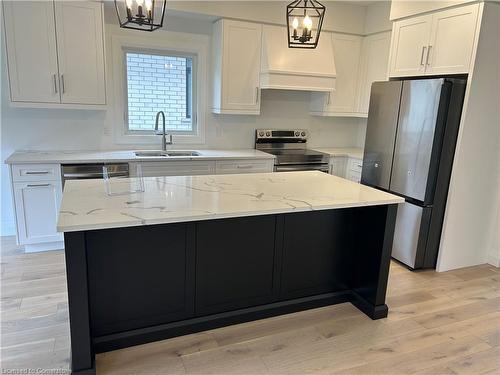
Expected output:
(295, 23)
(307, 22)
(139, 2)
(149, 4)
(129, 4)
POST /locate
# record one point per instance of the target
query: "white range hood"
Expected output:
(295, 68)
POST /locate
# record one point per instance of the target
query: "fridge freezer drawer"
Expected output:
(410, 234)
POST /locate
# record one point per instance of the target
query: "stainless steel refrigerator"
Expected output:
(410, 143)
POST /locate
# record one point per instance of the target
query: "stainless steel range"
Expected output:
(290, 149)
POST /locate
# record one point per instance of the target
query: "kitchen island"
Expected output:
(193, 253)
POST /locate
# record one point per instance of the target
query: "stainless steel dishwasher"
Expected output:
(88, 171)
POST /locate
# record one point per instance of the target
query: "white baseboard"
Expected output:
(46, 246)
(494, 260)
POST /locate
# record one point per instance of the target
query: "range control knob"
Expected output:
(268, 134)
(303, 134)
(261, 134)
(297, 134)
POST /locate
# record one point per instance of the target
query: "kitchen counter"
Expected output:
(197, 253)
(86, 206)
(76, 157)
(352, 152)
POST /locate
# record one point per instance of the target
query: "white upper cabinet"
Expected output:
(360, 61)
(55, 53)
(80, 52)
(374, 66)
(31, 51)
(452, 41)
(347, 52)
(437, 43)
(237, 51)
(409, 46)
(342, 101)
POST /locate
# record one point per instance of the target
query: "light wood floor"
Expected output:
(447, 323)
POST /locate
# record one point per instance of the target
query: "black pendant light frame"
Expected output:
(315, 10)
(144, 20)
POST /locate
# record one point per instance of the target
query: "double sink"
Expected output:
(165, 154)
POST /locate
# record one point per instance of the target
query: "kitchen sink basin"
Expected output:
(159, 153)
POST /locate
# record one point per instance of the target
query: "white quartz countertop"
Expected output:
(86, 206)
(352, 152)
(75, 157)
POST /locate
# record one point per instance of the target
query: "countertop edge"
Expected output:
(17, 159)
(214, 216)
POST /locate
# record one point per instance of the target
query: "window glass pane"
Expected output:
(159, 83)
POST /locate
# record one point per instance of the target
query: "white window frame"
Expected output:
(164, 42)
(194, 59)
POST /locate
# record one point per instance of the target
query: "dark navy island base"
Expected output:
(133, 285)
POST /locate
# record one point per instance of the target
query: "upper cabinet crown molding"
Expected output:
(66, 40)
(236, 67)
(360, 61)
(434, 44)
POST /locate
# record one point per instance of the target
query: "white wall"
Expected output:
(494, 247)
(58, 129)
(472, 208)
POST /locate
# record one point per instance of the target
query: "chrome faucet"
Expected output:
(164, 142)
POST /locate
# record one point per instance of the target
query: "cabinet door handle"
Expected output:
(244, 166)
(55, 83)
(38, 185)
(256, 95)
(428, 54)
(329, 98)
(63, 86)
(37, 172)
(422, 55)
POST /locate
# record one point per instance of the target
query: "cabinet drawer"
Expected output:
(243, 166)
(338, 166)
(355, 165)
(174, 168)
(36, 172)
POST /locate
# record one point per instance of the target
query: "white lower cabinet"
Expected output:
(244, 166)
(338, 165)
(346, 167)
(173, 168)
(37, 206)
(201, 167)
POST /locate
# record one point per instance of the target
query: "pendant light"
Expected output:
(304, 19)
(146, 15)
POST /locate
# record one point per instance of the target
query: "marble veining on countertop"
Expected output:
(86, 206)
(74, 157)
(353, 152)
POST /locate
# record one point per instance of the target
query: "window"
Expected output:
(159, 82)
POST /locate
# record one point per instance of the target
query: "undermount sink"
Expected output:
(159, 153)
